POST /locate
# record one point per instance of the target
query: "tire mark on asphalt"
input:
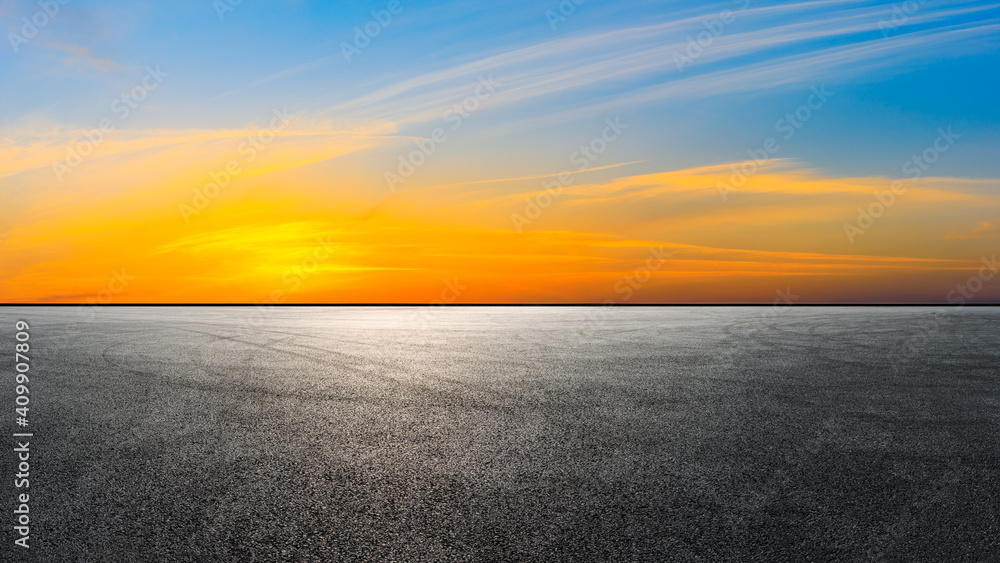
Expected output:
(230, 386)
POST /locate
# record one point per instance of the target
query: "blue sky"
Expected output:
(937, 67)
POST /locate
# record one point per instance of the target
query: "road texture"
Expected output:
(496, 434)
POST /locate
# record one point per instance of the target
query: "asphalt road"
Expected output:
(494, 434)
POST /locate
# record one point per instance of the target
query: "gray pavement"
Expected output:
(494, 434)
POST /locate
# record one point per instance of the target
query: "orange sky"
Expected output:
(295, 226)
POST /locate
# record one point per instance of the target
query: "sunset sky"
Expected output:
(534, 151)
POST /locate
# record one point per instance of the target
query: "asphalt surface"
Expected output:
(495, 434)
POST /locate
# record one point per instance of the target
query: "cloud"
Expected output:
(119, 153)
(982, 229)
(765, 48)
(783, 227)
(82, 57)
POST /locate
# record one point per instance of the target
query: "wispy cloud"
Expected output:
(982, 229)
(625, 61)
(83, 57)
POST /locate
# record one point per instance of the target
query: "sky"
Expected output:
(633, 151)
